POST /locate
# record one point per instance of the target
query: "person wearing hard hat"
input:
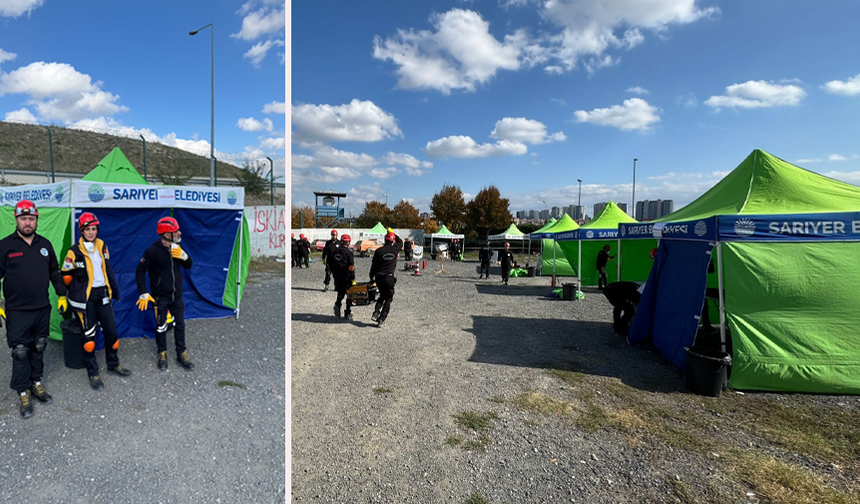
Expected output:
(342, 264)
(164, 260)
(294, 251)
(506, 260)
(27, 265)
(92, 285)
(326, 254)
(304, 251)
(382, 269)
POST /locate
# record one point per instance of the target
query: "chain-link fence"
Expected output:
(38, 154)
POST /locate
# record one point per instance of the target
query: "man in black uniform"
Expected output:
(455, 250)
(342, 265)
(164, 260)
(624, 297)
(27, 264)
(294, 251)
(603, 257)
(506, 259)
(326, 253)
(304, 250)
(407, 249)
(485, 255)
(382, 272)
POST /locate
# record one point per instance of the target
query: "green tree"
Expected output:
(449, 207)
(374, 211)
(431, 226)
(251, 177)
(488, 212)
(405, 216)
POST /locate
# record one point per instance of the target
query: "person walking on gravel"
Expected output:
(92, 286)
(342, 266)
(164, 260)
(603, 257)
(27, 265)
(326, 253)
(304, 251)
(506, 259)
(382, 272)
(407, 249)
(294, 251)
(485, 255)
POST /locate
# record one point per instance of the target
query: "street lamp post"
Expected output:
(579, 199)
(386, 199)
(144, 156)
(212, 132)
(633, 209)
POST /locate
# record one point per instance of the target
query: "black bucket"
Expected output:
(531, 271)
(73, 347)
(569, 292)
(707, 371)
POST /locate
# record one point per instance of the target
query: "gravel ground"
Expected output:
(160, 437)
(374, 410)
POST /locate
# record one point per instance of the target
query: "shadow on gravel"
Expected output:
(316, 318)
(306, 289)
(590, 348)
(496, 287)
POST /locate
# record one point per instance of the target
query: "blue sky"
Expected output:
(131, 68)
(399, 98)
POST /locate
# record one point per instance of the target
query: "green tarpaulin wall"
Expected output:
(553, 260)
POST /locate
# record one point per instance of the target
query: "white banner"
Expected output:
(86, 194)
(54, 195)
(417, 252)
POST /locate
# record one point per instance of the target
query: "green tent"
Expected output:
(377, 231)
(512, 233)
(115, 168)
(553, 261)
(582, 248)
(785, 251)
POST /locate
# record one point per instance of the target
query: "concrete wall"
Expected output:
(267, 230)
(356, 234)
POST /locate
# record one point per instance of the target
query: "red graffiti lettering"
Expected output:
(268, 219)
(277, 241)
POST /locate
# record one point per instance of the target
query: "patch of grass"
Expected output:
(476, 421)
(479, 445)
(566, 376)
(536, 402)
(592, 418)
(497, 399)
(231, 383)
(381, 390)
(681, 490)
(477, 498)
(454, 440)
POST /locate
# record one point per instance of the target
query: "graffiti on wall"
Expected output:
(267, 229)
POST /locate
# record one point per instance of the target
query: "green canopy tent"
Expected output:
(553, 261)
(512, 233)
(786, 268)
(377, 231)
(115, 168)
(443, 234)
(536, 235)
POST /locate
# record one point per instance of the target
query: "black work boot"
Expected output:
(183, 361)
(337, 310)
(162, 361)
(347, 315)
(119, 371)
(39, 393)
(380, 323)
(96, 383)
(375, 316)
(325, 288)
(26, 404)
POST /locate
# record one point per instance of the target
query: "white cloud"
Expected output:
(415, 172)
(836, 157)
(14, 8)
(6, 56)
(460, 54)
(849, 177)
(340, 172)
(522, 130)
(267, 20)
(357, 121)
(633, 114)
(258, 52)
(21, 116)
(638, 90)
(808, 160)
(275, 107)
(851, 87)
(384, 173)
(59, 92)
(688, 100)
(405, 160)
(329, 156)
(274, 143)
(465, 147)
(251, 124)
(758, 94)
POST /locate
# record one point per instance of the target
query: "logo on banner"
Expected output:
(701, 229)
(96, 193)
(58, 194)
(589, 234)
(623, 231)
(744, 227)
(231, 197)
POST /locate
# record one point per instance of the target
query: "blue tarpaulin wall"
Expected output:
(671, 303)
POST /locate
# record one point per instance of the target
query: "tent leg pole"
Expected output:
(618, 254)
(721, 296)
(239, 269)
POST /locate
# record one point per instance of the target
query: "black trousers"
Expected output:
(177, 309)
(385, 284)
(101, 313)
(23, 328)
(303, 258)
(341, 285)
(485, 269)
(602, 280)
(506, 269)
(327, 274)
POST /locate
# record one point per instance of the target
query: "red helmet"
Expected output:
(606, 248)
(345, 238)
(390, 236)
(167, 225)
(87, 219)
(334, 232)
(302, 235)
(292, 235)
(26, 207)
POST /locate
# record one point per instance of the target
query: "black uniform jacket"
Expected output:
(79, 266)
(341, 262)
(26, 271)
(328, 248)
(385, 259)
(165, 273)
(506, 257)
